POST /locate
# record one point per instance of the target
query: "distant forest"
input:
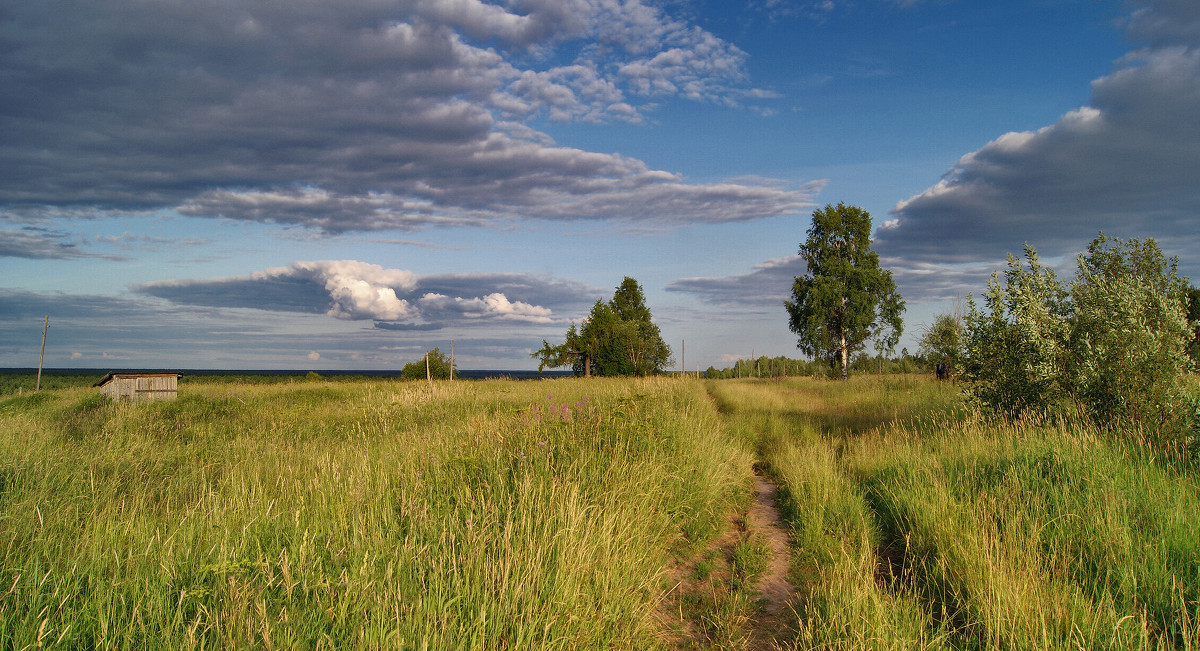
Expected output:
(764, 366)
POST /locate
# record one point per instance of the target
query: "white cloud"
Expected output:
(358, 290)
(354, 290)
(495, 305)
(314, 356)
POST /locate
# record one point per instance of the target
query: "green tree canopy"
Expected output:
(616, 338)
(845, 299)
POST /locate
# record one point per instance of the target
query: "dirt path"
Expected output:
(763, 520)
(696, 615)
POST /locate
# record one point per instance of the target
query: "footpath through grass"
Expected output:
(919, 526)
(482, 515)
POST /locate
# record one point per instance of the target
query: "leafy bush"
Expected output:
(439, 367)
(1017, 348)
(1111, 344)
(942, 342)
(1193, 306)
(1130, 337)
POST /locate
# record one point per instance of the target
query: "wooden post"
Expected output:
(683, 357)
(42, 356)
(451, 360)
(428, 377)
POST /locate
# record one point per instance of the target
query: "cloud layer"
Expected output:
(1128, 163)
(397, 299)
(38, 243)
(354, 115)
(767, 286)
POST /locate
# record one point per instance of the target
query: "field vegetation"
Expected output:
(919, 524)
(584, 513)
(481, 515)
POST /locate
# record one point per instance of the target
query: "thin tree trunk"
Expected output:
(845, 360)
(845, 350)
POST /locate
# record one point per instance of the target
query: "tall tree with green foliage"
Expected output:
(617, 338)
(845, 299)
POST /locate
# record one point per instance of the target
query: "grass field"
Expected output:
(917, 525)
(557, 514)
(368, 515)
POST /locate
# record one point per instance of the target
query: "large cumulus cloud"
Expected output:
(1128, 163)
(353, 115)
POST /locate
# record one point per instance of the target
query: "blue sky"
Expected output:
(343, 185)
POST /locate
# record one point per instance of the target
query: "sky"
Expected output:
(345, 184)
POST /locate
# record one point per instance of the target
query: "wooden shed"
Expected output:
(140, 387)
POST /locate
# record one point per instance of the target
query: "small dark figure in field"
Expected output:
(942, 373)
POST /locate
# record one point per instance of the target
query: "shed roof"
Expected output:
(114, 375)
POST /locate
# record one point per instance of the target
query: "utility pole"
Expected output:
(45, 326)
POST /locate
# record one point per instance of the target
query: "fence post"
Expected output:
(42, 356)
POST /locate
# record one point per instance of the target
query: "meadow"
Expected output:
(918, 524)
(567, 514)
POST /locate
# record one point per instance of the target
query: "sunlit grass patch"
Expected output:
(918, 524)
(371, 514)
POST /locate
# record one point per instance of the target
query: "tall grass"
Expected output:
(493, 515)
(370, 515)
(920, 526)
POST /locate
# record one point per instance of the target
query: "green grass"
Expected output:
(561, 515)
(369, 515)
(918, 525)
(19, 382)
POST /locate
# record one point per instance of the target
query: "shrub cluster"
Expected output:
(1111, 344)
(435, 363)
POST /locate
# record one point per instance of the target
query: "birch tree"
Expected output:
(845, 299)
